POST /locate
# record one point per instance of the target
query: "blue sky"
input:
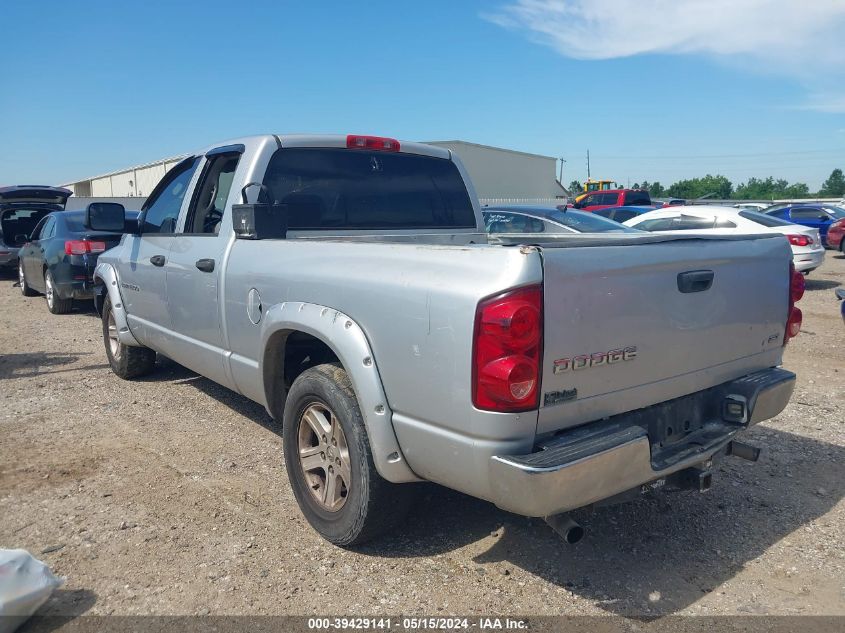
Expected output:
(651, 91)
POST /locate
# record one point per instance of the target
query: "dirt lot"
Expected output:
(169, 496)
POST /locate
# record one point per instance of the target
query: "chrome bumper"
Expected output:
(599, 460)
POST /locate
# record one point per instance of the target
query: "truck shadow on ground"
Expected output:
(655, 556)
(652, 557)
(171, 371)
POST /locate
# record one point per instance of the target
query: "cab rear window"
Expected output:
(328, 188)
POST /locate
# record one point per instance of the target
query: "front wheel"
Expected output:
(26, 291)
(329, 463)
(127, 361)
(55, 303)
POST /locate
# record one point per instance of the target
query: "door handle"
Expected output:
(205, 265)
(695, 281)
(157, 260)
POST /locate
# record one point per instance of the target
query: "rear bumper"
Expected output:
(600, 460)
(808, 261)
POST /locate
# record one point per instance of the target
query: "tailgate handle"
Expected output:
(695, 281)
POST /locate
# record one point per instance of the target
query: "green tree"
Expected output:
(717, 187)
(834, 186)
(769, 188)
(575, 187)
(655, 189)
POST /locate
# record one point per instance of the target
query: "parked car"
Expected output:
(752, 206)
(613, 198)
(59, 258)
(354, 294)
(21, 208)
(836, 235)
(816, 216)
(807, 250)
(623, 214)
(527, 219)
(675, 202)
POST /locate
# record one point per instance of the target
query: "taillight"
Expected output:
(507, 346)
(355, 141)
(80, 247)
(800, 240)
(796, 291)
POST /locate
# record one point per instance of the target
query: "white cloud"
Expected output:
(802, 40)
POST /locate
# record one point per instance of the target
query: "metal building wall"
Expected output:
(501, 173)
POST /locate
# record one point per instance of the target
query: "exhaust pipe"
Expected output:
(567, 528)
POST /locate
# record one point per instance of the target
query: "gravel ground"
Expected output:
(169, 496)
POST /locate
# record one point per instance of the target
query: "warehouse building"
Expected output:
(499, 175)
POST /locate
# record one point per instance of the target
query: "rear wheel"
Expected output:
(55, 303)
(127, 361)
(26, 291)
(329, 464)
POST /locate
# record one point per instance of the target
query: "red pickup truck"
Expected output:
(613, 198)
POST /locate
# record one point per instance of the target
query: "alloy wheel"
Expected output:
(324, 456)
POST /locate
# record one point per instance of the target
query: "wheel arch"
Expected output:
(293, 329)
(106, 276)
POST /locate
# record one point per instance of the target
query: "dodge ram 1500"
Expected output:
(347, 284)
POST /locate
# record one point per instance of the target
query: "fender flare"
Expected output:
(349, 343)
(107, 276)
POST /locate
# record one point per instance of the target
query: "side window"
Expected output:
(609, 198)
(637, 198)
(623, 216)
(39, 228)
(209, 201)
(500, 222)
(807, 213)
(49, 229)
(162, 208)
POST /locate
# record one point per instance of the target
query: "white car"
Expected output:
(752, 206)
(807, 249)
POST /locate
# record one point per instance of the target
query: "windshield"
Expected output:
(329, 188)
(836, 212)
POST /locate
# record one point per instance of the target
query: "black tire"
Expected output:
(372, 505)
(55, 303)
(127, 361)
(26, 291)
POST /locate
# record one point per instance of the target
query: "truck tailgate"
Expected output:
(626, 326)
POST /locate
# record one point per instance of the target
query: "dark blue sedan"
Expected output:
(59, 257)
(816, 216)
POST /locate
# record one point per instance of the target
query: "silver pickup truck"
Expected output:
(346, 283)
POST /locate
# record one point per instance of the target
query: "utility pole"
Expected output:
(560, 177)
(588, 164)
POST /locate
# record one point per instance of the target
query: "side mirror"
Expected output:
(259, 220)
(106, 216)
(21, 238)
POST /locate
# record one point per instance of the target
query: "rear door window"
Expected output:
(334, 188)
(635, 198)
(505, 222)
(807, 213)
